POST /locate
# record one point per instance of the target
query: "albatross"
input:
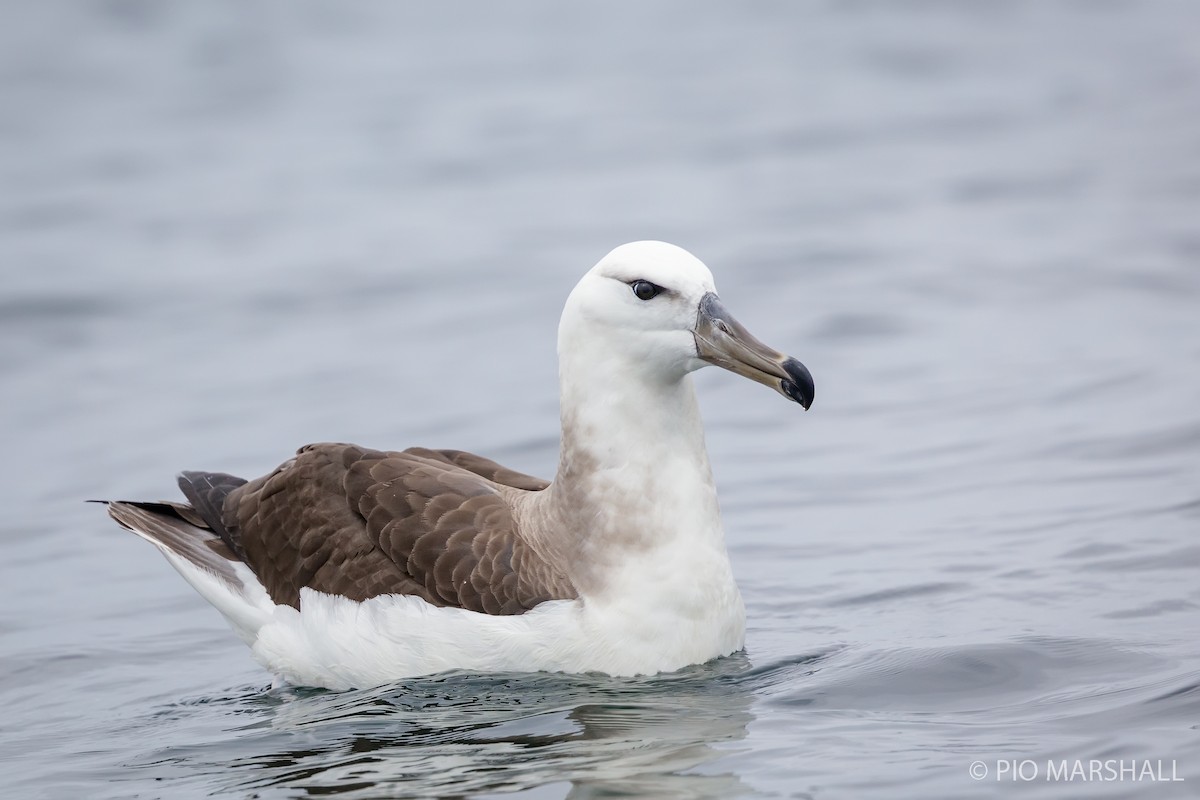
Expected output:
(349, 567)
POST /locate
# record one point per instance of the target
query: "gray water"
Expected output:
(230, 229)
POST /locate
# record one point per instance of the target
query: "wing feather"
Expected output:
(346, 520)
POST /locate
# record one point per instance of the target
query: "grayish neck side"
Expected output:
(634, 480)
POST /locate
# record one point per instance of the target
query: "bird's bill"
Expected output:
(721, 340)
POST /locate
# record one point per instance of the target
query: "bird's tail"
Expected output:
(203, 558)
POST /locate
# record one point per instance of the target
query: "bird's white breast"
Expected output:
(339, 643)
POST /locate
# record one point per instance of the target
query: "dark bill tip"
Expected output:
(799, 383)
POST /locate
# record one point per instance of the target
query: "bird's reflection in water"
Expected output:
(458, 735)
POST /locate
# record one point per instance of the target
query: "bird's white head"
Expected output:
(639, 303)
(653, 307)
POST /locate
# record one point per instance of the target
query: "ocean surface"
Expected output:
(230, 229)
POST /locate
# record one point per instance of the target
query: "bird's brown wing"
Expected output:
(349, 521)
(484, 467)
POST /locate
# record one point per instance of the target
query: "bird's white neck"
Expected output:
(634, 481)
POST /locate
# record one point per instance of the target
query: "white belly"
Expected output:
(644, 623)
(339, 644)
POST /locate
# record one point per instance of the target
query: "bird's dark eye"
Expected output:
(645, 289)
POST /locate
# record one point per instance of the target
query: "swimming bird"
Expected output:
(350, 567)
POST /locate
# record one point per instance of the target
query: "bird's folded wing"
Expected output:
(349, 521)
